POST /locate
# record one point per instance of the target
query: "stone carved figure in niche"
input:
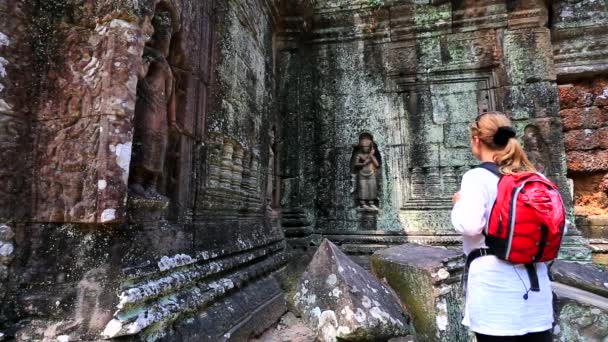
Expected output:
(365, 168)
(270, 185)
(173, 163)
(155, 110)
(536, 149)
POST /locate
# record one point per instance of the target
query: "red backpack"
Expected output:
(527, 221)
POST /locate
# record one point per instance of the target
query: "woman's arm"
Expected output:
(468, 213)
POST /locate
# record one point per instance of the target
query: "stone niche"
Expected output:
(416, 75)
(438, 148)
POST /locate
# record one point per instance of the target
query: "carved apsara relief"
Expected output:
(365, 171)
(155, 109)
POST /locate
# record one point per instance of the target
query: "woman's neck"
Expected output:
(487, 156)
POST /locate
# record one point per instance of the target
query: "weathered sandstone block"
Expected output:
(589, 117)
(339, 299)
(588, 277)
(581, 315)
(588, 161)
(581, 139)
(426, 280)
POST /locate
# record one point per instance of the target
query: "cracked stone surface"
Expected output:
(339, 299)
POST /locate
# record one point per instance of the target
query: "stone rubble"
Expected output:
(426, 279)
(339, 299)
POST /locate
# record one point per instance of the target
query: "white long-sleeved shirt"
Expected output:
(495, 288)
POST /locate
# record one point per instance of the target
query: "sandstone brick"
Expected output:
(600, 90)
(589, 117)
(589, 277)
(588, 161)
(602, 99)
(572, 118)
(602, 135)
(422, 276)
(574, 96)
(604, 184)
(595, 117)
(581, 139)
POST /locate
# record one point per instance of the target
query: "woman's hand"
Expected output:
(456, 197)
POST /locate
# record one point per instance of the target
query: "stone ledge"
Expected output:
(237, 317)
(160, 301)
(588, 277)
(579, 295)
(580, 315)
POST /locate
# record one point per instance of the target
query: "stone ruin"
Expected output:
(169, 166)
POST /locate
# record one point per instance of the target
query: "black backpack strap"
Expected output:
(534, 286)
(492, 167)
(474, 254)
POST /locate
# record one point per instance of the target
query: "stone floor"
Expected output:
(289, 329)
(292, 329)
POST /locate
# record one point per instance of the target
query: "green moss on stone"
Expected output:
(578, 322)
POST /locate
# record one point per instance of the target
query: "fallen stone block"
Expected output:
(427, 281)
(339, 299)
(581, 315)
(588, 277)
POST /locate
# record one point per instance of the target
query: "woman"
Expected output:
(499, 305)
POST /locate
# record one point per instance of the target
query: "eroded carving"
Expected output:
(272, 186)
(428, 183)
(536, 149)
(233, 177)
(84, 133)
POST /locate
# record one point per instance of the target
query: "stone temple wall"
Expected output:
(85, 253)
(155, 152)
(17, 102)
(414, 75)
(585, 124)
(579, 31)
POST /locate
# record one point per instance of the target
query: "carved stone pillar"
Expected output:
(255, 168)
(237, 169)
(433, 181)
(418, 182)
(450, 182)
(215, 159)
(226, 165)
(246, 175)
